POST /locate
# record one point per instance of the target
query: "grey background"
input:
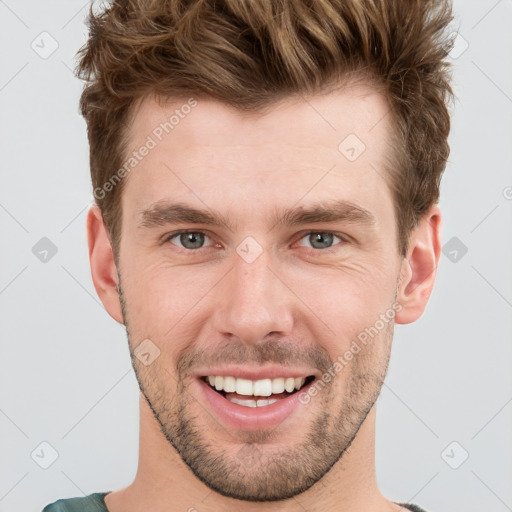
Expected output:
(66, 377)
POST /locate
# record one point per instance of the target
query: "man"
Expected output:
(266, 177)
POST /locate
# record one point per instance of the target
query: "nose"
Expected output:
(254, 302)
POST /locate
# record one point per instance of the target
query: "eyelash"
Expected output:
(342, 237)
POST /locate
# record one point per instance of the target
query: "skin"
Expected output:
(205, 305)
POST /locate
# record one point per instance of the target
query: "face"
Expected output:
(267, 283)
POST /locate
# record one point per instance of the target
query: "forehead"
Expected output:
(321, 120)
(332, 146)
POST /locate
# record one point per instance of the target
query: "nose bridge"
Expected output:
(254, 301)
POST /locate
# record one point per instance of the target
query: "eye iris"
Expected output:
(321, 237)
(195, 239)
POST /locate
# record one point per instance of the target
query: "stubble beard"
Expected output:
(253, 467)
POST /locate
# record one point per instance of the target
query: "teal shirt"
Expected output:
(94, 503)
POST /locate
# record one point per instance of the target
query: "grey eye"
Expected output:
(320, 239)
(190, 240)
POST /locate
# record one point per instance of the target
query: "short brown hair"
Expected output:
(250, 53)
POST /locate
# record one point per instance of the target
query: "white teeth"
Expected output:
(243, 386)
(247, 403)
(289, 384)
(253, 403)
(277, 386)
(230, 384)
(262, 403)
(262, 387)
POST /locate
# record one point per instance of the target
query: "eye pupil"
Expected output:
(194, 239)
(322, 238)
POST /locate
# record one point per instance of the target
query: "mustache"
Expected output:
(284, 353)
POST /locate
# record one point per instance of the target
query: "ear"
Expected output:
(419, 268)
(103, 267)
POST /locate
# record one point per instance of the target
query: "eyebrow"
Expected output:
(164, 213)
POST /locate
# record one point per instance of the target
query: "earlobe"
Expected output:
(419, 268)
(103, 268)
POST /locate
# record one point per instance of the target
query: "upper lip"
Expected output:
(245, 372)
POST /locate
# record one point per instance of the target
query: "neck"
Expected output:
(164, 483)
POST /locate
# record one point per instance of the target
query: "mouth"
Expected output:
(254, 405)
(260, 393)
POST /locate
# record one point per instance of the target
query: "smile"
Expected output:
(252, 404)
(235, 389)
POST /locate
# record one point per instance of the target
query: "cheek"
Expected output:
(161, 299)
(347, 304)
(335, 302)
(350, 290)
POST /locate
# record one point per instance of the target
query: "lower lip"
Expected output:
(251, 418)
